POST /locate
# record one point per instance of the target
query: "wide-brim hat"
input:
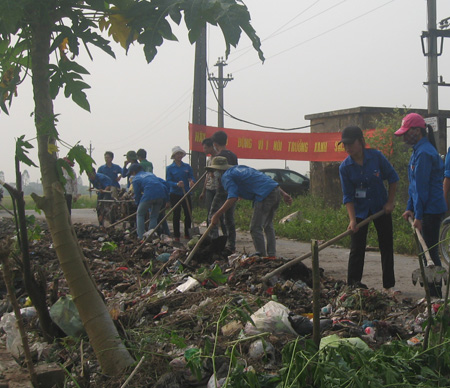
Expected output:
(350, 134)
(412, 120)
(176, 150)
(219, 163)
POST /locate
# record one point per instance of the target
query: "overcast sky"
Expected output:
(321, 55)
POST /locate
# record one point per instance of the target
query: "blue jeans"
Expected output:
(153, 206)
(262, 223)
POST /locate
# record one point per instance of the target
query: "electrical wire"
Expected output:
(251, 122)
(317, 36)
(275, 33)
(138, 136)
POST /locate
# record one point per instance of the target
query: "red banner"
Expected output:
(313, 147)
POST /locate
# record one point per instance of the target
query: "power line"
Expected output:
(246, 121)
(318, 36)
(137, 135)
(250, 47)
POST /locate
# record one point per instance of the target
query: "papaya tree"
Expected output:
(43, 38)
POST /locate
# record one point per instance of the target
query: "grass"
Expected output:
(317, 221)
(84, 202)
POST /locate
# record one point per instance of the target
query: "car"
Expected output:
(290, 181)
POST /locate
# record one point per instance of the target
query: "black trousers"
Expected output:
(431, 224)
(383, 225)
(174, 198)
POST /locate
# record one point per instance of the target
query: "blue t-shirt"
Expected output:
(175, 173)
(447, 165)
(425, 173)
(112, 172)
(101, 181)
(248, 183)
(148, 186)
(363, 185)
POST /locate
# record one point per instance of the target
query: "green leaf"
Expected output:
(108, 246)
(11, 13)
(72, 65)
(217, 275)
(178, 341)
(166, 31)
(194, 361)
(80, 99)
(79, 154)
(99, 5)
(21, 151)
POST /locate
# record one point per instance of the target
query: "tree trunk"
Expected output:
(110, 351)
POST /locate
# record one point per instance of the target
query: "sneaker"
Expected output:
(176, 239)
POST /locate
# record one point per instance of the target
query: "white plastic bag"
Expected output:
(272, 317)
(8, 323)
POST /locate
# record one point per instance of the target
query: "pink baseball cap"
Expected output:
(412, 120)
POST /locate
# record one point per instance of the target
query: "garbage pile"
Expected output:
(181, 317)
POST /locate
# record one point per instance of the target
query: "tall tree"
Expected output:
(37, 36)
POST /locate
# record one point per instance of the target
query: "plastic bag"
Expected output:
(65, 314)
(8, 323)
(272, 317)
(334, 341)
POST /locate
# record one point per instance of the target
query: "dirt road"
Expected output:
(332, 259)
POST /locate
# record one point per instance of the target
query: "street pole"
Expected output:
(198, 159)
(432, 64)
(220, 83)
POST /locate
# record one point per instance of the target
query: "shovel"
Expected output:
(195, 230)
(433, 274)
(320, 247)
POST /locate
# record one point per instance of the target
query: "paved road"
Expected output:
(332, 259)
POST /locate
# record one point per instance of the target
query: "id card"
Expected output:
(360, 193)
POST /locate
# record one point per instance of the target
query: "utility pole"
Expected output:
(432, 53)
(198, 159)
(220, 83)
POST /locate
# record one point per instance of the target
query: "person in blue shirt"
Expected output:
(150, 194)
(219, 140)
(102, 183)
(130, 159)
(426, 203)
(113, 171)
(180, 177)
(447, 178)
(362, 174)
(248, 183)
